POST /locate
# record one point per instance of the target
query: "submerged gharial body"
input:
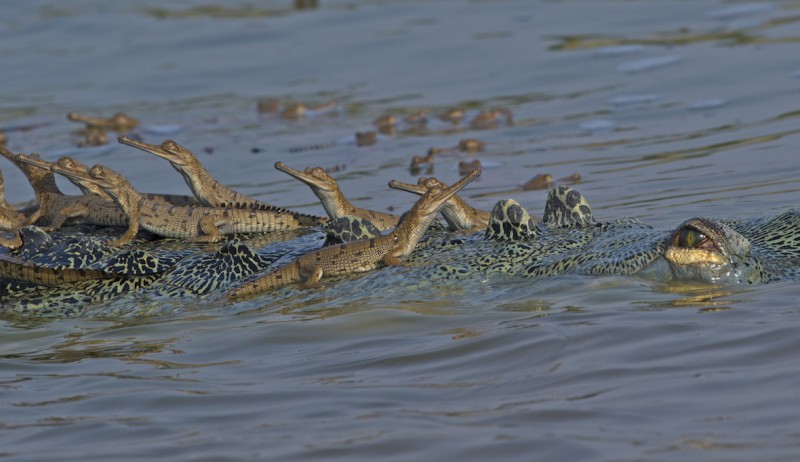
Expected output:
(568, 240)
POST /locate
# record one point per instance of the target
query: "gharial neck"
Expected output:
(207, 189)
(410, 230)
(126, 197)
(334, 203)
(44, 186)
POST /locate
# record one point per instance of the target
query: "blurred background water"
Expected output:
(667, 109)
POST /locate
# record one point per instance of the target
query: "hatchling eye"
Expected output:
(691, 238)
(168, 145)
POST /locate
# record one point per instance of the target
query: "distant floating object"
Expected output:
(708, 104)
(619, 50)
(647, 64)
(598, 126)
(737, 11)
(633, 100)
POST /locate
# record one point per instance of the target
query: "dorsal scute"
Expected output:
(34, 241)
(567, 208)
(74, 252)
(510, 221)
(140, 262)
(204, 273)
(348, 228)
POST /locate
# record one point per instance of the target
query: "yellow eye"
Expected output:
(691, 238)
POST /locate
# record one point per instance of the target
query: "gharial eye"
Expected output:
(691, 238)
(319, 173)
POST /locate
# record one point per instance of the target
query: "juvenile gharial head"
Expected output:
(429, 183)
(121, 121)
(107, 178)
(69, 163)
(711, 251)
(35, 169)
(118, 122)
(168, 150)
(315, 177)
(433, 199)
(415, 222)
(81, 177)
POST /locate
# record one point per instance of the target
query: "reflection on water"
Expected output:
(704, 297)
(572, 368)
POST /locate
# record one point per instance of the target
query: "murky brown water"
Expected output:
(667, 109)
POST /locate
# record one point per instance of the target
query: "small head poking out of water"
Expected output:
(710, 251)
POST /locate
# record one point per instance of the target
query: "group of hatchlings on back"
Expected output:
(717, 250)
(215, 210)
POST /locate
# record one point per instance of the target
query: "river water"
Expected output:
(667, 109)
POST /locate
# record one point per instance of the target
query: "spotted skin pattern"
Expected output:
(567, 241)
(774, 247)
(67, 299)
(74, 250)
(566, 208)
(348, 228)
(509, 221)
(205, 273)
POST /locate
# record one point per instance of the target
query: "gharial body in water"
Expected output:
(568, 240)
(70, 269)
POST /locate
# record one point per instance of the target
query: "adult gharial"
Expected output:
(69, 270)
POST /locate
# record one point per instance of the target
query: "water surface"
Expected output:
(667, 110)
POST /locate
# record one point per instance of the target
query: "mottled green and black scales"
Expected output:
(775, 245)
(204, 273)
(568, 240)
(348, 228)
(133, 268)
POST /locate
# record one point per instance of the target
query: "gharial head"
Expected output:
(106, 178)
(123, 121)
(429, 183)
(315, 177)
(119, 121)
(168, 150)
(32, 165)
(437, 195)
(711, 251)
(78, 174)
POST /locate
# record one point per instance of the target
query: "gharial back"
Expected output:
(775, 243)
(102, 272)
(568, 240)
